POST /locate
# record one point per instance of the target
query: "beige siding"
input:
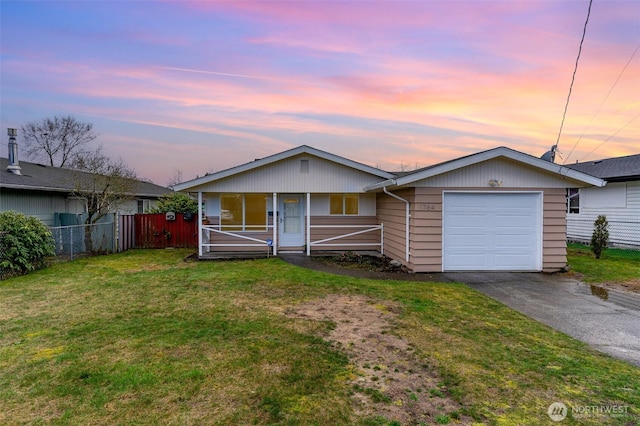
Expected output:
(287, 176)
(509, 174)
(426, 230)
(392, 212)
(353, 224)
(217, 238)
(554, 241)
(372, 237)
(426, 227)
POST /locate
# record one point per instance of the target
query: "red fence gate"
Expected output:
(155, 231)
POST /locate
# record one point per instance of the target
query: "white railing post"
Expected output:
(308, 225)
(200, 224)
(275, 224)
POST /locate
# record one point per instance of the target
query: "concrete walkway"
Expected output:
(567, 306)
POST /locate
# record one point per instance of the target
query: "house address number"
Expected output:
(424, 206)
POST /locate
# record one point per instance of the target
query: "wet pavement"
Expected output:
(611, 326)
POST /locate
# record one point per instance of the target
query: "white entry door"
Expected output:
(492, 232)
(291, 221)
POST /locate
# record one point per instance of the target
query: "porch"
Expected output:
(291, 223)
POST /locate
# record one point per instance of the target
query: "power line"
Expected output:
(610, 137)
(603, 101)
(575, 70)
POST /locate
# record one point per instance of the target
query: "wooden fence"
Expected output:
(155, 231)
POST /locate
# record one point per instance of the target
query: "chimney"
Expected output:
(13, 165)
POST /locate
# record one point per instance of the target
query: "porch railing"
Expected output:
(365, 228)
(252, 241)
(257, 242)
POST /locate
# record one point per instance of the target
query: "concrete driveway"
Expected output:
(568, 306)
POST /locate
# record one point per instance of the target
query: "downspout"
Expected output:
(408, 215)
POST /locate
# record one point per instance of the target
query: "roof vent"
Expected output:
(304, 166)
(13, 165)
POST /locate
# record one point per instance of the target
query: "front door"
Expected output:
(291, 221)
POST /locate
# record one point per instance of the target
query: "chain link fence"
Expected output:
(624, 234)
(77, 240)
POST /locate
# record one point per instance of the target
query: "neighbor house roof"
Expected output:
(261, 162)
(617, 169)
(38, 177)
(479, 157)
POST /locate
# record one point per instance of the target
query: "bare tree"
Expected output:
(58, 140)
(104, 183)
(176, 179)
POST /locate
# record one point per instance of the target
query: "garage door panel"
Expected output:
(467, 262)
(513, 262)
(466, 241)
(503, 242)
(484, 231)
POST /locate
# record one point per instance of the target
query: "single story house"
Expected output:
(619, 201)
(497, 210)
(47, 193)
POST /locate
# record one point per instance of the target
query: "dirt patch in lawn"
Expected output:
(388, 378)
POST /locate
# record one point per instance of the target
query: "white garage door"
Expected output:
(492, 232)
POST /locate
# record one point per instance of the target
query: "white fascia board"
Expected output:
(491, 154)
(304, 149)
(380, 185)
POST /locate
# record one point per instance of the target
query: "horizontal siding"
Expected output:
(624, 223)
(426, 227)
(355, 241)
(211, 237)
(356, 223)
(554, 240)
(392, 213)
(426, 230)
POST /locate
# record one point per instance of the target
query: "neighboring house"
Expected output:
(619, 201)
(495, 210)
(47, 192)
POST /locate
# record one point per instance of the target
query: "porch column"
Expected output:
(308, 231)
(199, 223)
(275, 224)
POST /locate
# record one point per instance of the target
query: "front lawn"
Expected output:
(143, 337)
(616, 265)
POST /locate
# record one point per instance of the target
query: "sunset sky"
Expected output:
(197, 87)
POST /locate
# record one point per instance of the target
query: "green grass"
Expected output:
(615, 265)
(145, 338)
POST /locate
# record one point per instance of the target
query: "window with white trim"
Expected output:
(343, 204)
(243, 212)
(144, 206)
(573, 200)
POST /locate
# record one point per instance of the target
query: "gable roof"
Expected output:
(479, 157)
(617, 169)
(303, 149)
(38, 177)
